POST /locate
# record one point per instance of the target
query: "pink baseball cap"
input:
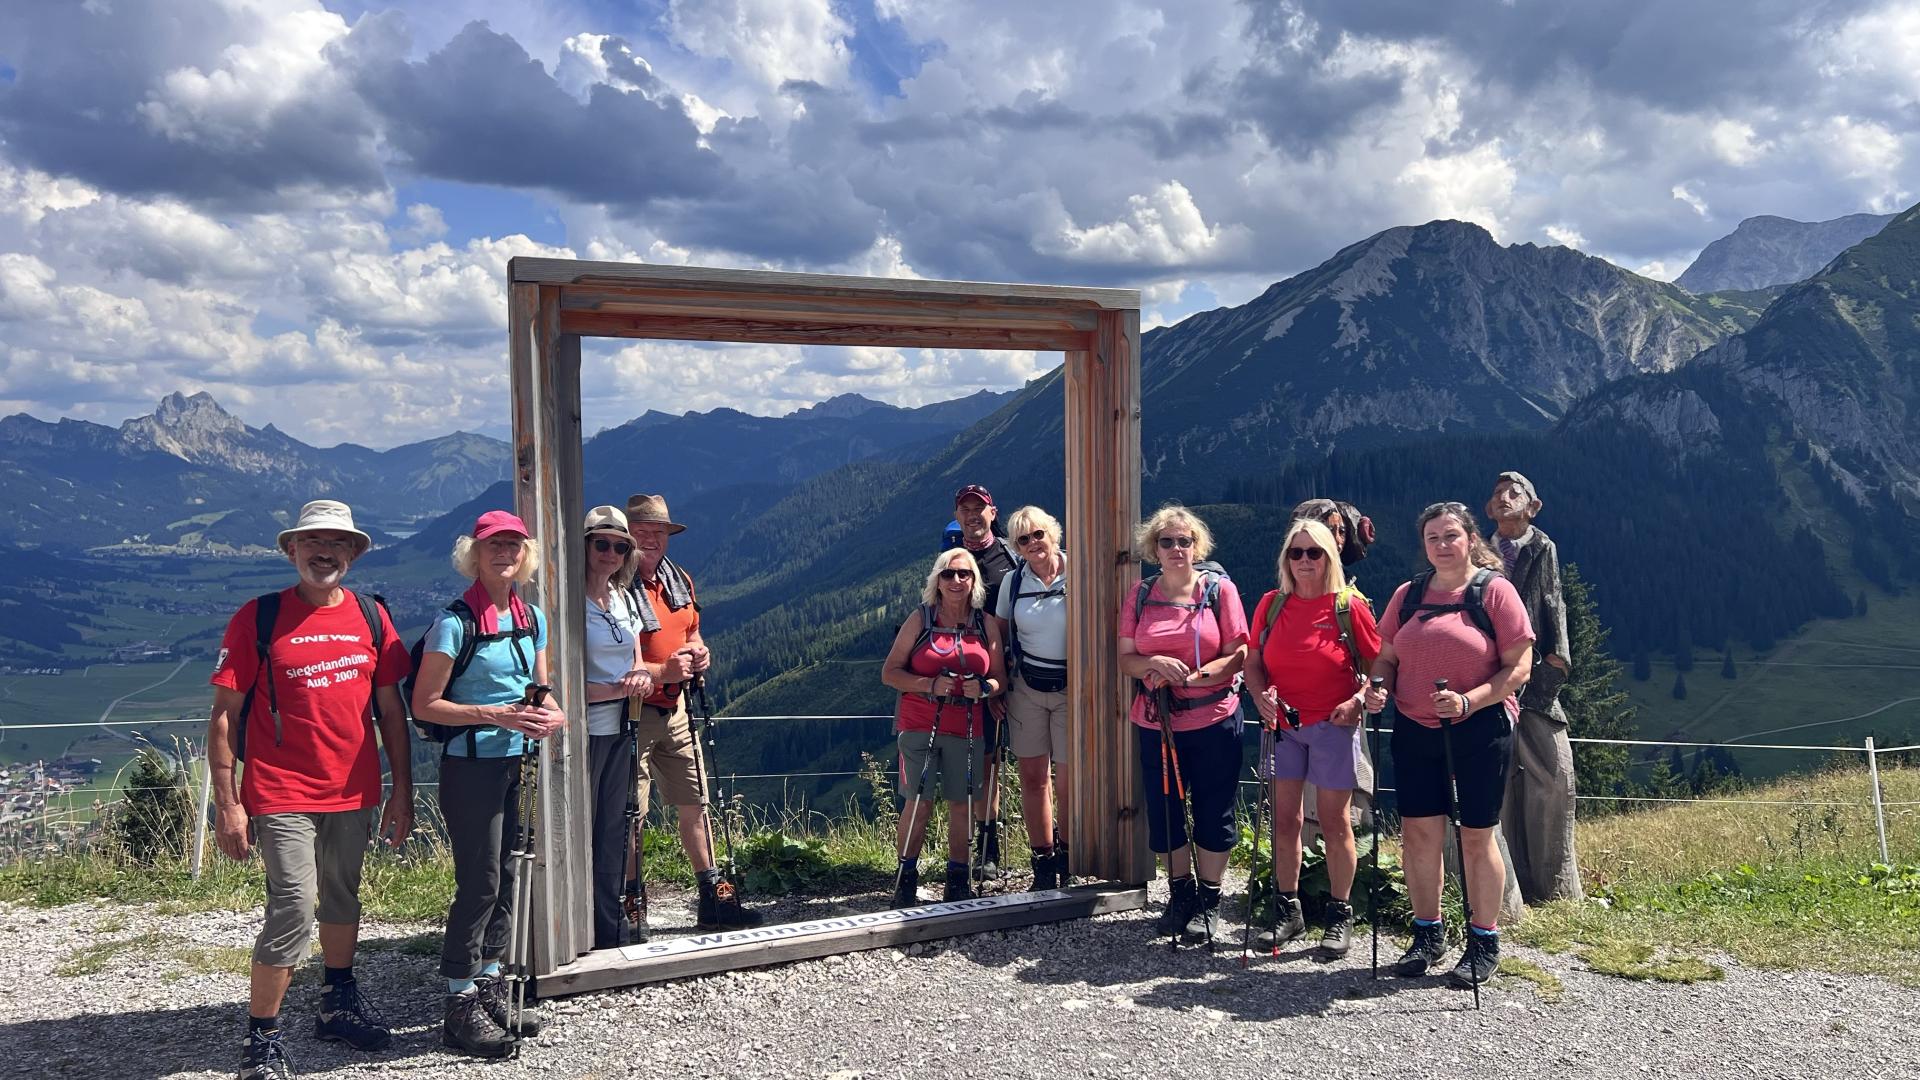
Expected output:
(495, 522)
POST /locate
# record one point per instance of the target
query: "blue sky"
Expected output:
(306, 208)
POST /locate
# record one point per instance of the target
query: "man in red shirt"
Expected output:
(296, 686)
(675, 655)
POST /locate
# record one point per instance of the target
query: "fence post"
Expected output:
(200, 822)
(1879, 813)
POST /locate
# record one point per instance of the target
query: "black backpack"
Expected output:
(1473, 603)
(470, 641)
(976, 625)
(266, 612)
(1046, 674)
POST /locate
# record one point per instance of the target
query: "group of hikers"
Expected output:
(305, 677)
(1471, 652)
(305, 674)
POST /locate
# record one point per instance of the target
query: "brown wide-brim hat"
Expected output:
(651, 510)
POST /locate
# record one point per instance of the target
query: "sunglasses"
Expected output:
(956, 575)
(1027, 538)
(1312, 554)
(1168, 543)
(603, 546)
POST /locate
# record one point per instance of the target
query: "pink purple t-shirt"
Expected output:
(1448, 646)
(1191, 634)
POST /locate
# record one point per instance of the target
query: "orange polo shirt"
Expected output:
(676, 629)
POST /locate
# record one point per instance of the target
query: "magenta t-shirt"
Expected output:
(1189, 634)
(1449, 646)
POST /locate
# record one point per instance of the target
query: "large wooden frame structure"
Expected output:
(553, 303)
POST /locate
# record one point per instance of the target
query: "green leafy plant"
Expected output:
(776, 864)
(1315, 885)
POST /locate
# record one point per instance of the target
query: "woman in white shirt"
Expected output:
(616, 617)
(1033, 599)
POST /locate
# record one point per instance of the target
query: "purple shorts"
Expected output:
(1322, 754)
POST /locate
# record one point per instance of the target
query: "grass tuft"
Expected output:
(1626, 960)
(1545, 983)
(93, 959)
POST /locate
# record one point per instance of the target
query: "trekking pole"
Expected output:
(704, 734)
(633, 899)
(1163, 707)
(919, 788)
(1261, 771)
(1373, 811)
(972, 831)
(1459, 846)
(517, 970)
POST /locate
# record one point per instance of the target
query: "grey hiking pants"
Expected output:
(1539, 821)
(610, 759)
(480, 799)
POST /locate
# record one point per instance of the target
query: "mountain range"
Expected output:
(1766, 252)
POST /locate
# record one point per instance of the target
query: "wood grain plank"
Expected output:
(526, 269)
(688, 328)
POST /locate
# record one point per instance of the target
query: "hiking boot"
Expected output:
(467, 1027)
(263, 1057)
(906, 892)
(987, 839)
(959, 884)
(1046, 871)
(1338, 936)
(1428, 949)
(1478, 963)
(1181, 897)
(493, 996)
(720, 908)
(634, 904)
(1060, 863)
(346, 1016)
(1205, 921)
(1292, 924)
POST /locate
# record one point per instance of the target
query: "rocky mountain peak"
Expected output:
(196, 429)
(1768, 250)
(841, 406)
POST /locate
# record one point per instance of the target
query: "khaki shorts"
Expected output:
(946, 773)
(668, 755)
(313, 868)
(1038, 720)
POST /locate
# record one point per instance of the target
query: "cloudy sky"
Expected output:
(307, 208)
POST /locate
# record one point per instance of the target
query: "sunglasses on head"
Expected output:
(951, 574)
(1312, 554)
(1168, 543)
(1027, 538)
(603, 545)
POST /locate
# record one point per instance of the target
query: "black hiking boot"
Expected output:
(264, 1057)
(493, 996)
(1338, 936)
(1205, 921)
(906, 892)
(987, 840)
(959, 884)
(346, 1016)
(1046, 872)
(1060, 863)
(720, 908)
(1292, 924)
(1181, 897)
(638, 932)
(1428, 949)
(1478, 963)
(467, 1027)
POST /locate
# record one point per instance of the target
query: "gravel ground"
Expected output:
(1069, 1000)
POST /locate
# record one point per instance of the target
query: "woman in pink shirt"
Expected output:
(1183, 638)
(1463, 623)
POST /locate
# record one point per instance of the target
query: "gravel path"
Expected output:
(1085, 999)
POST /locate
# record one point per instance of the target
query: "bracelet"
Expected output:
(1466, 704)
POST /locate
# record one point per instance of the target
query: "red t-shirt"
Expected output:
(947, 649)
(1449, 646)
(676, 629)
(1192, 635)
(323, 671)
(1304, 657)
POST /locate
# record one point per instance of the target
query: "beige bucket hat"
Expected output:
(323, 514)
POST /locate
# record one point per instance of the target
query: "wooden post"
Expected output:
(547, 489)
(1105, 825)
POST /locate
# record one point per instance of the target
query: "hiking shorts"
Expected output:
(1322, 754)
(946, 773)
(1037, 722)
(668, 755)
(1482, 748)
(1209, 769)
(313, 870)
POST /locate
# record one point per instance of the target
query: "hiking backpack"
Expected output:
(1342, 615)
(976, 625)
(1211, 575)
(266, 612)
(1052, 676)
(470, 641)
(1473, 603)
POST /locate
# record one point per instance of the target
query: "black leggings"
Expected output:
(1482, 747)
(1209, 769)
